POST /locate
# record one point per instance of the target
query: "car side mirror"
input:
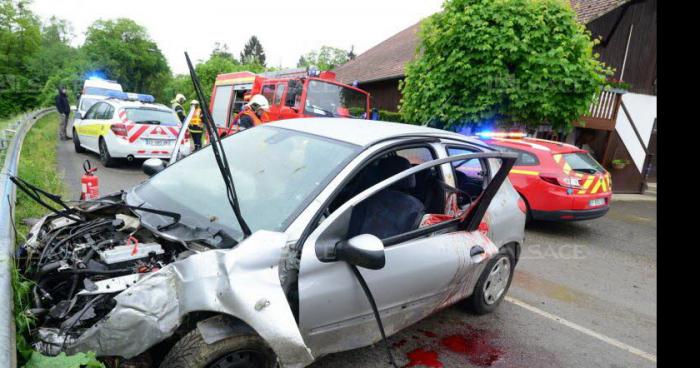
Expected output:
(153, 166)
(366, 251)
(79, 115)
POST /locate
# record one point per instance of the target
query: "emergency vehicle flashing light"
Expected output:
(126, 96)
(489, 135)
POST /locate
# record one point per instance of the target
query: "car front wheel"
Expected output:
(243, 350)
(493, 283)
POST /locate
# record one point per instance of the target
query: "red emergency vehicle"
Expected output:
(558, 181)
(291, 94)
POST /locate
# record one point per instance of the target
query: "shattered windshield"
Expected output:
(328, 99)
(276, 173)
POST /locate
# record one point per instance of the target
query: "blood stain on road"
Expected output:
(423, 358)
(479, 351)
(473, 343)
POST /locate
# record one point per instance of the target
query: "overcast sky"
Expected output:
(286, 29)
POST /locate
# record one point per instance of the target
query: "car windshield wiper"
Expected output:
(218, 150)
(37, 193)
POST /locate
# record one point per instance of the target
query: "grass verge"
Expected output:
(38, 165)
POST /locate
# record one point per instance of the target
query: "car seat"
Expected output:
(392, 211)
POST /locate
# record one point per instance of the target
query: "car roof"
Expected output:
(536, 144)
(366, 132)
(94, 97)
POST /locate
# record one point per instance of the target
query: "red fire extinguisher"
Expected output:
(89, 183)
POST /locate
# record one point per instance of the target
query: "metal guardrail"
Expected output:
(8, 357)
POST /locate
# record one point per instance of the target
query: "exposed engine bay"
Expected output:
(80, 262)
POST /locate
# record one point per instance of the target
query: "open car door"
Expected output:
(421, 270)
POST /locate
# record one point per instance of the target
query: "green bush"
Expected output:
(385, 115)
(526, 61)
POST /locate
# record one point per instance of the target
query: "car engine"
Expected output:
(79, 264)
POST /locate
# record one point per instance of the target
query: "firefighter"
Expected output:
(176, 105)
(254, 113)
(196, 127)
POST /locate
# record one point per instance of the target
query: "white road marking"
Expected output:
(608, 340)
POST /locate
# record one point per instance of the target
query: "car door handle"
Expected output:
(476, 250)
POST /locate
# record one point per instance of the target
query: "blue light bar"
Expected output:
(140, 97)
(491, 135)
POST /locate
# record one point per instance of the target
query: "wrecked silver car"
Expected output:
(338, 233)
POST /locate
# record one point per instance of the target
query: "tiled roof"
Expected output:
(387, 59)
(588, 10)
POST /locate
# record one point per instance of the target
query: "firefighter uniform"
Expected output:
(176, 105)
(196, 128)
(248, 119)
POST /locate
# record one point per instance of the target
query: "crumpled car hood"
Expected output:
(231, 282)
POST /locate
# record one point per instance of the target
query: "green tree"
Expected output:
(221, 50)
(20, 38)
(326, 58)
(526, 61)
(57, 63)
(253, 52)
(125, 52)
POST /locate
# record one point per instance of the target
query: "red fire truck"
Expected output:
(291, 94)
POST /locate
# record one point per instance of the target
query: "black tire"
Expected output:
(477, 302)
(106, 159)
(244, 350)
(76, 143)
(528, 211)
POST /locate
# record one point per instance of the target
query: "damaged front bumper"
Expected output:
(242, 283)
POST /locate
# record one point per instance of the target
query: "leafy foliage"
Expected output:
(253, 52)
(79, 360)
(123, 50)
(326, 58)
(385, 115)
(483, 61)
(20, 38)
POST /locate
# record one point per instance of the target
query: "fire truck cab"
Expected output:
(291, 94)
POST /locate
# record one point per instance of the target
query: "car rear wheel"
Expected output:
(106, 159)
(528, 211)
(493, 283)
(244, 350)
(76, 143)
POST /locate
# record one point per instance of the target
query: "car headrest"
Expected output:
(392, 165)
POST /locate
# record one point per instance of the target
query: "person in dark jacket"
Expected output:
(63, 108)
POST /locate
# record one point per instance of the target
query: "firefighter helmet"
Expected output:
(258, 101)
(194, 102)
(180, 98)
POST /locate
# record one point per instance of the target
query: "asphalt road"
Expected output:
(124, 176)
(584, 295)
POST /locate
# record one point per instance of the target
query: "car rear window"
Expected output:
(152, 116)
(524, 158)
(583, 162)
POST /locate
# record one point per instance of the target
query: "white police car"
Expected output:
(127, 126)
